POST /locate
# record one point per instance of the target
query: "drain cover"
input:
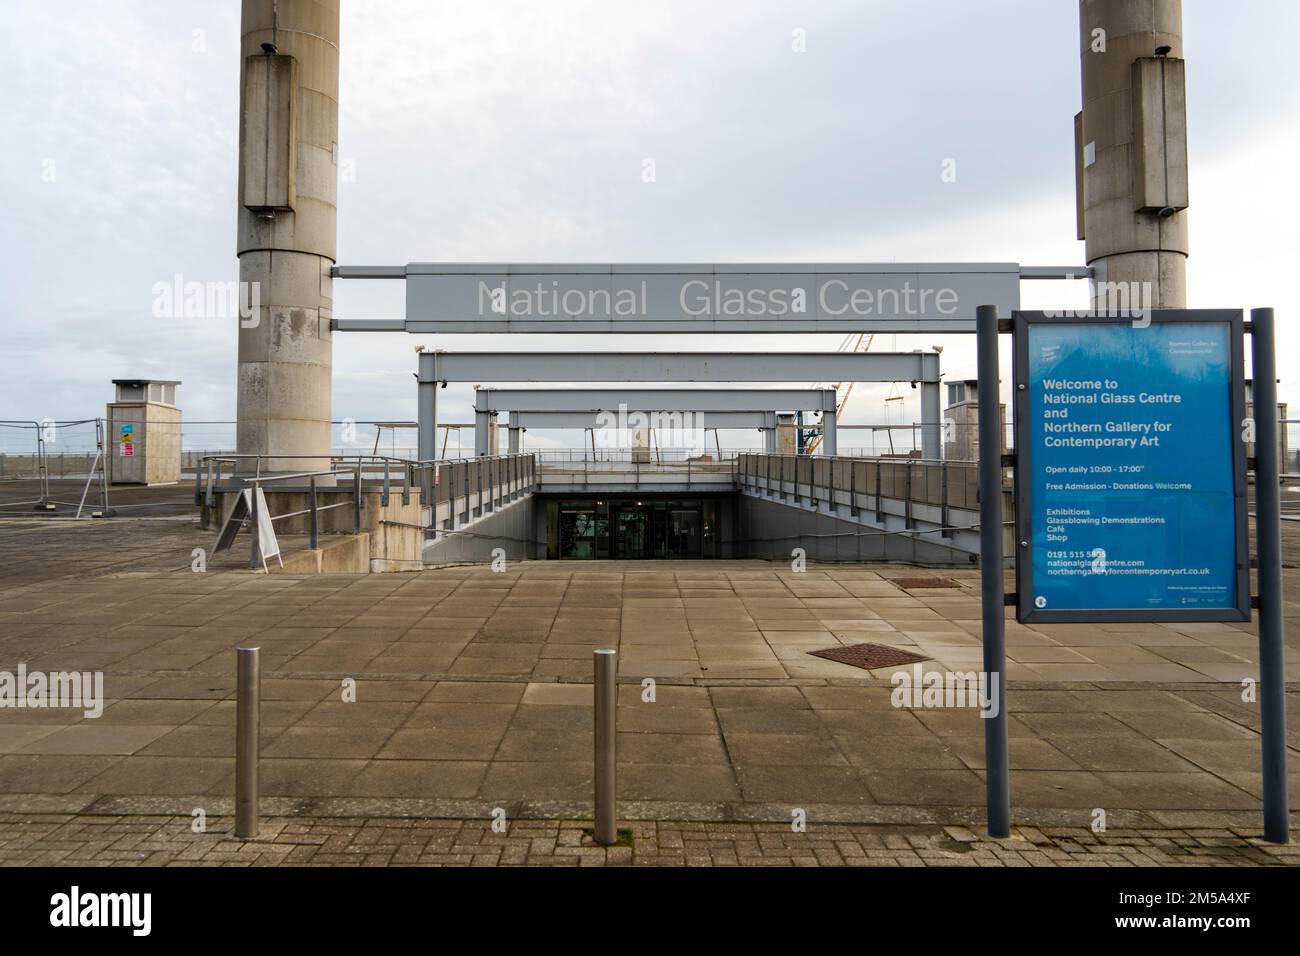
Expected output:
(909, 584)
(869, 656)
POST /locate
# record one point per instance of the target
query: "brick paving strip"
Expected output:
(72, 840)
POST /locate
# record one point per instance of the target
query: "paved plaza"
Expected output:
(473, 696)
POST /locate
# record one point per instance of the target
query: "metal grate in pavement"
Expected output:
(908, 584)
(869, 656)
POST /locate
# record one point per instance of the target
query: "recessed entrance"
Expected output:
(632, 528)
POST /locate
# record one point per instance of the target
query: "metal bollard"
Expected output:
(248, 713)
(606, 694)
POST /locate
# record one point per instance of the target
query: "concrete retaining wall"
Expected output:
(337, 554)
(771, 530)
(512, 528)
(393, 531)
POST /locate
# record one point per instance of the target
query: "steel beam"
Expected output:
(594, 419)
(679, 367)
(657, 399)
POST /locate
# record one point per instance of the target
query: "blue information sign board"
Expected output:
(1130, 473)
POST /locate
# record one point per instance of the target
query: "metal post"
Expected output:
(907, 494)
(996, 759)
(1268, 554)
(356, 499)
(931, 427)
(830, 447)
(255, 550)
(315, 523)
(105, 443)
(606, 694)
(943, 511)
(248, 713)
(427, 417)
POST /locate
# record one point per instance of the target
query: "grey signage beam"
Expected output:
(697, 297)
(579, 367)
(594, 419)
(657, 399)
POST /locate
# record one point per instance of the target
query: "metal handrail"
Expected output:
(923, 482)
(500, 478)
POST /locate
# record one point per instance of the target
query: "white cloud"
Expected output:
(514, 131)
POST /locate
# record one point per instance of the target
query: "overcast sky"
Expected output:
(498, 131)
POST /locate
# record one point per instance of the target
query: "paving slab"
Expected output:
(475, 687)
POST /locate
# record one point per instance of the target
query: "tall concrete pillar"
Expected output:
(288, 138)
(1131, 151)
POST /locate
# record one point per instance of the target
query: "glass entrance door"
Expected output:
(631, 532)
(683, 533)
(577, 534)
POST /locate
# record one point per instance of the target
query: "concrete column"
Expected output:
(513, 440)
(931, 426)
(829, 448)
(286, 226)
(1123, 144)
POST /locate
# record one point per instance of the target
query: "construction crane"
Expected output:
(853, 342)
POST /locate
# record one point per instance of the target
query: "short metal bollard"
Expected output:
(248, 713)
(606, 694)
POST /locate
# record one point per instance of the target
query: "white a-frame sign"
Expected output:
(267, 545)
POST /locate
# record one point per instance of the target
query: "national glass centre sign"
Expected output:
(1130, 488)
(766, 297)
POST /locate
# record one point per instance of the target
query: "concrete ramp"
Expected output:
(509, 532)
(905, 509)
(773, 529)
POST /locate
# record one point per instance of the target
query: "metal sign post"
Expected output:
(1131, 488)
(996, 750)
(1268, 548)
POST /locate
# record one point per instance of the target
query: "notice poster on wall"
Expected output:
(1130, 462)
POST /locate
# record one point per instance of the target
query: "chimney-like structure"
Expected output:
(1131, 151)
(288, 143)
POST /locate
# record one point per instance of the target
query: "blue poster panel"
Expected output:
(1130, 471)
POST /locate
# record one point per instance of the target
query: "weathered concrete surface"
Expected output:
(1124, 245)
(337, 554)
(471, 694)
(285, 347)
